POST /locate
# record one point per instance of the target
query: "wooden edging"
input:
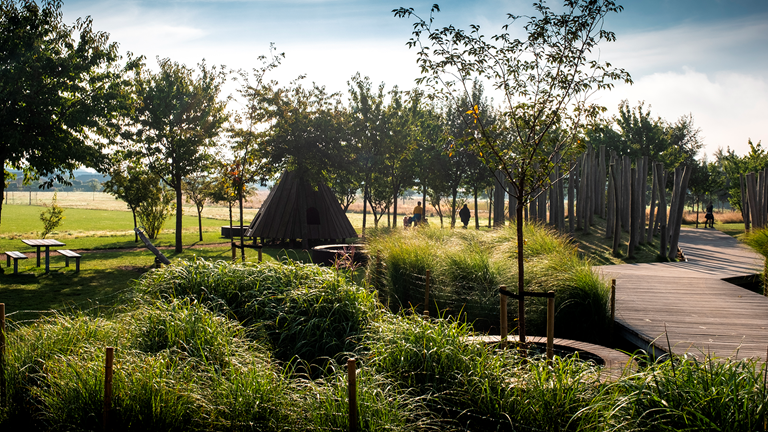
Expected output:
(615, 362)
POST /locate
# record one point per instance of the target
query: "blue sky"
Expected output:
(708, 58)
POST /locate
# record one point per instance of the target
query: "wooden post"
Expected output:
(663, 235)
(642, 175)
(260, 258)
(609, 216)
(234, 252)
(626, 185)
(550, 325)
(426, 295)
(675, 234)
(634, 206)
(2, 354)
(108, 387)
(352, 393)
(651, 215)
(616, 208)
(613, 307)
(503, 318)
(601, 183)
(744, 203)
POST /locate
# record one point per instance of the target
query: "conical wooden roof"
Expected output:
(295, 210)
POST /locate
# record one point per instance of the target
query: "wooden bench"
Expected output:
(16, 257)
(69, 254)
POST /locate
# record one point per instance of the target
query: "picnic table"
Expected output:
(40, 243)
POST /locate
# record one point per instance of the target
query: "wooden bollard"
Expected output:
(550, 325)
(2, 354)
(352, 393)
(234, 252)
(503, 318)
(426, 295)
(260, 254)
(108, 386)
(613, 306)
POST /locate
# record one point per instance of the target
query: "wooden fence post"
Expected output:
(426, 295)
(613, 307)
(352, 393)
(550, 325)
(107, 387)
(503, 318)
(2, 354)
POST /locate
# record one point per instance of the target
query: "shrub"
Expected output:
(306, 311)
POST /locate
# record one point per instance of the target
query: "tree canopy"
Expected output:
(175, 119)
(61, 89)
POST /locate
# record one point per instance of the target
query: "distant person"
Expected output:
(709, 218)
(464, 215)
(418, 213)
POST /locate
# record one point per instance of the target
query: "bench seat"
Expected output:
(16, 257)
(69, 254)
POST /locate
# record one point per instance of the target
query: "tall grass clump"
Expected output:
(305, 311)
(382, 404)
(467, 267)
(178, 367)
(475, 387)
(683, 393)
(757, 239)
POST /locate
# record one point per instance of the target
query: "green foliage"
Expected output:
(174, 121)
(52, 216)
(63, 91)
(733, 166)
(467, 268)
(306, 311)
(155, 209)
(683, 393)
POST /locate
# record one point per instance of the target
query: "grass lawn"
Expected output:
(105, 276)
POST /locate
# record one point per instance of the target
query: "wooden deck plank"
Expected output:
(689, 304)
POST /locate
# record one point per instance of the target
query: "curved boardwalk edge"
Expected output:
(686, 307)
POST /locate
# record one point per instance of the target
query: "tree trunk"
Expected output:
(2, 184)
(571, 193)
(365, 205)
(394, 211)
(135, 225)
(477, 218)
(242, 239)
(520, 264)
(200, 223)
(177, 188)
(675, 238)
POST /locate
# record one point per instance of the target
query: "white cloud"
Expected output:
(729, 108)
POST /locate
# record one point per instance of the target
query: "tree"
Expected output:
(175, 119)
(734, 166)
(52, 216)
(546, 80)
(132, 183)
(60, 91)
(196, 187)
(93, 185)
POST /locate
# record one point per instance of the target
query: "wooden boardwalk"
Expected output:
(689, 304)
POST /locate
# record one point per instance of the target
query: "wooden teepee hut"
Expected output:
(295, 209)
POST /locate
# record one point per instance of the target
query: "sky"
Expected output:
(706, 58)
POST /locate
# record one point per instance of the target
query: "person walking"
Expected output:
(465, 215)
(709, 218)
(418, 213)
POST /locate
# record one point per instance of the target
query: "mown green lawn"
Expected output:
(105, 276)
